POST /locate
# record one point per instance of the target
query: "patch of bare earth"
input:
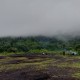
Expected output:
(30, 73)
(24, 74)
(2, 57)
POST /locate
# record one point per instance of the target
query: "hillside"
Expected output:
(38, 43)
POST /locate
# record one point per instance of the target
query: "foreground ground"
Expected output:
(40, 67)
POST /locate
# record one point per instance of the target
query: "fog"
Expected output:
(39, 17)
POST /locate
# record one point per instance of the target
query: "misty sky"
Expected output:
(39, 17)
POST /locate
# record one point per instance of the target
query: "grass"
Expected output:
(41, 63)
(38, 65)
(66, 64)
(77, 75)
(10, 53)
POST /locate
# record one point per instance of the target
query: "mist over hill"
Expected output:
(37, 44)
(27, 25)
(33, 18)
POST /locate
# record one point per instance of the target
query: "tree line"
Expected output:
(27, 44)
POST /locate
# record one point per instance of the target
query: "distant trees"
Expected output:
(35, 44)
(77, 47)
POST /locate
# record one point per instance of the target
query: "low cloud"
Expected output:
(39, 17)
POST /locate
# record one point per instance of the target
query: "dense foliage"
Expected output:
(35, 44)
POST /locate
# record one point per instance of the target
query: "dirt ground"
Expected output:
(39, 67)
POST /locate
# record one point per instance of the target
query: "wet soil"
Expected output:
(30, 73)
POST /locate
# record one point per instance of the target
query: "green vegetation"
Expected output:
(76, 75)
(54, 65)
(37, 44)
(9, 63)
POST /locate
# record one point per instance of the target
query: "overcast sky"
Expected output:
(39, 17)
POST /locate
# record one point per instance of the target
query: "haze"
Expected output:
(39, 17)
